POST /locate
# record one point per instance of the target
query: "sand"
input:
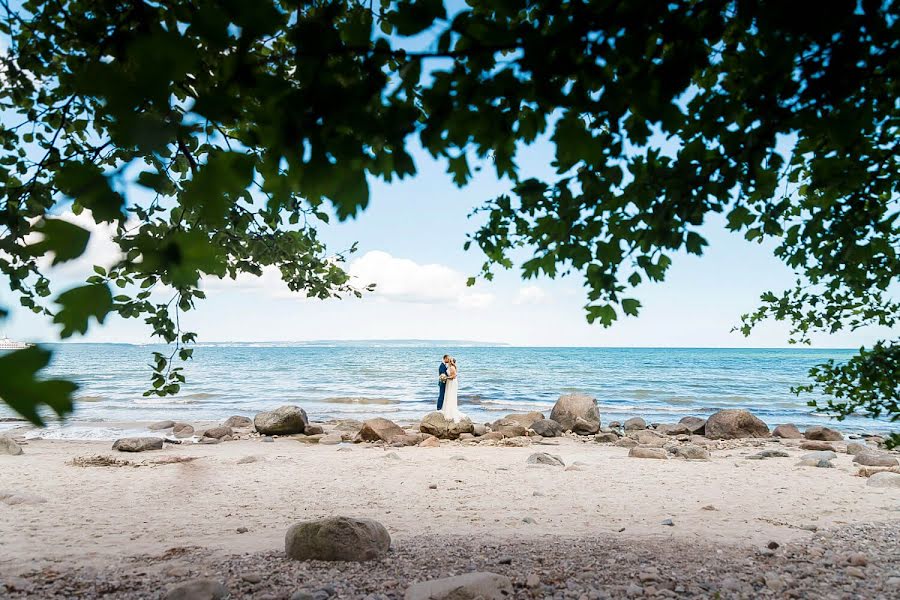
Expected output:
(222, 504)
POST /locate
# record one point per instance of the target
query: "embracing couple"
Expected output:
(448, 378)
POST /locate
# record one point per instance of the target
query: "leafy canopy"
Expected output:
(246, 123)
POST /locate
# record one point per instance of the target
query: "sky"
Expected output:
(411, 246)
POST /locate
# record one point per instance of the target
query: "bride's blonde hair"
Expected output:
(452, 361)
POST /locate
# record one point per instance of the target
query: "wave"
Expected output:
(199, 395)
(357, 400)
(91, 398)
(164, 401)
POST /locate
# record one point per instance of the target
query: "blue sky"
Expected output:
(410, 244)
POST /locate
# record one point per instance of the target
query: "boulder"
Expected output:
(197, 589)
(161, 425)
(379, 429)
(491, 435)
(692, 452)
(606, 438)
(547, 428)
(824, 434)
(407, 439)
(695, 425)
(884, 479)
(570, 407)
(542, 458)
(479, 429)
(470, 586)
(218, 432)
(9, 446)
(436, 424)
(430, 442)
(182, 430)
(857, 448)
(635, 424)
(816, 445)
(138, 444)
(646, 437)
(313, 429)
(875, 459)
(626, 442)
(238, 421)
(585, 427)
(337, 538)
(526, 420)
(734, 423)
(509, 427)
(284, 420)
(641, 452)
(673, 429)
(787, 431)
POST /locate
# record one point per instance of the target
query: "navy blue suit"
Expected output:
(442, 370)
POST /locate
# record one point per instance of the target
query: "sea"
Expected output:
(399, 381)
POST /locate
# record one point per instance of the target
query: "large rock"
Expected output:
(217, 433)
(816, 445)
(646, 437)
(875, 459)
(526, 420)
(470, 586)
(606, 438)
(138, 444)
(787, 431)
(641, 452)
(436, 424)
(197, 589)
(238, 421)
(695, 425)
(734, 423)
(585, 427)
(9, 446)
(509, 428)
(570, 407)
(884, 479)
(690, 452)
(337, 538)
(634, 424)
(673, 429)
(284, 420)
(858, 448)
(384, 430)
(824, 434)
(159, 425)
(547, 428)
(542, 458)
(183, 430)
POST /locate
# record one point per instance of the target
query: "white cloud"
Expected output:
(404, 280)
(532, 294)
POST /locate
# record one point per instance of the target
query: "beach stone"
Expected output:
(197, 589)
(479, 429)
(516, 442)
(626, 442)
(820, 455)
(771, 454)
(138, 444)
(696, 425)
(635, 424)
(884, 479)
(491, 435)
(569, 407)
(814, 462)
(858, 448)
(284, 420)
(332, 439)
(238, 421)
(430, 442)
(606, 438)
(508, 427)
(209, 440)
(816, 445)
(337, 539)
(470, 586)
(585, 427)
(267, 439)
(543, 458)
(733, 423)
(466, 437)
(182, 430)
(218, 432)
(641, 452)
(787, 431)
(9, 446)
(407, 439)
(673, 429)
(875, 459)
(161, 425)
(823, 433)
(526, 420)
(547, 428)
(380, 429)
(436, 424)
(314, 429)
(647, 437)
(692, 453)
(11, 498)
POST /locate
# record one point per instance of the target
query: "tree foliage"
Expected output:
(246, 123)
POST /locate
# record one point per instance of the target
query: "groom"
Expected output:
(442, 370)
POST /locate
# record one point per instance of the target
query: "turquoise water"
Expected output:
(399, 381)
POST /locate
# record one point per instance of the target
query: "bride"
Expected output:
(451, 409)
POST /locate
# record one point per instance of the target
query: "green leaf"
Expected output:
(66, 241)
(24, 392)
(86, 184)
(79, 304)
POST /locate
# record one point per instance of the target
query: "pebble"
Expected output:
(668, 523)
(251, 577)
(267, 439)
(433, 486)
(242, 530)
(533, 581)
(855, 572)
(529, 520)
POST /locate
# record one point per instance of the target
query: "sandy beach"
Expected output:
(66, 511)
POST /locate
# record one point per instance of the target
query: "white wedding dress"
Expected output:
(451, 401)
